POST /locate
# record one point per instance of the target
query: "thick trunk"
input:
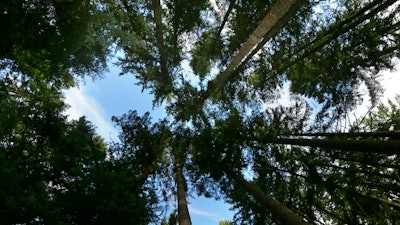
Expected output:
(270, 34)
(278, 210)
(183, 211)
(389, 147)
(279, 10)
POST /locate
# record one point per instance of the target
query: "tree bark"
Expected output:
(389, 147)
(279, 10)
(270, 34)
(183, 211)
(157, 10)
(389, 134)
(279, 211)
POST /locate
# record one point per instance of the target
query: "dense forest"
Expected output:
(219, 68)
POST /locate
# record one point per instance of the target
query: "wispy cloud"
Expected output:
(82, 104)
(204, 214)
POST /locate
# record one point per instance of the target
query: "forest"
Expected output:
(219, 68)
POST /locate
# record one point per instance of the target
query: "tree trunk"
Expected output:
(278, 210)
(376, 134)
(380, 200)
(389, 147)
(157, 10)
(340, 28)
(183, 211)
(279, 10)
(270, 34)
(228, 12)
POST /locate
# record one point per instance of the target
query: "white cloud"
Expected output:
(81, 104)
(204, 214)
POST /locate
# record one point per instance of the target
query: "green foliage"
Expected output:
(224, 222)
(54, 38)
(49, 164)
(331, 72)
(384, 118)
(205, 52)
(186, 15)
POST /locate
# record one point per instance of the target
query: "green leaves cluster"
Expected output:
(54, 38)
(49, 164)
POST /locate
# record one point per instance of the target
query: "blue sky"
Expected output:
(101, 99)
(115, 95)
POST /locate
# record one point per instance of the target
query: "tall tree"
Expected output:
(48, 164)
(183, 211)
(278, 10)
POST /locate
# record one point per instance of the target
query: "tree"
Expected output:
(54, 39)
(107, 191)
(277, 11)
(224, 149)
(183, 211)
(344, 66)
(48, 164)
(31, 119)
(339, 174)
(384, 120)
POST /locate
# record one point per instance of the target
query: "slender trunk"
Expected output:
(160, 39)
(278, 210)
(363, 172)
(381, 200)
(279, 10)
(338, 29)
(183, 211)
(389, 134)
(361, 161)
(228, 12)
(389, 147)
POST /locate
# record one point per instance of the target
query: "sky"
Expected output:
(114, 95)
